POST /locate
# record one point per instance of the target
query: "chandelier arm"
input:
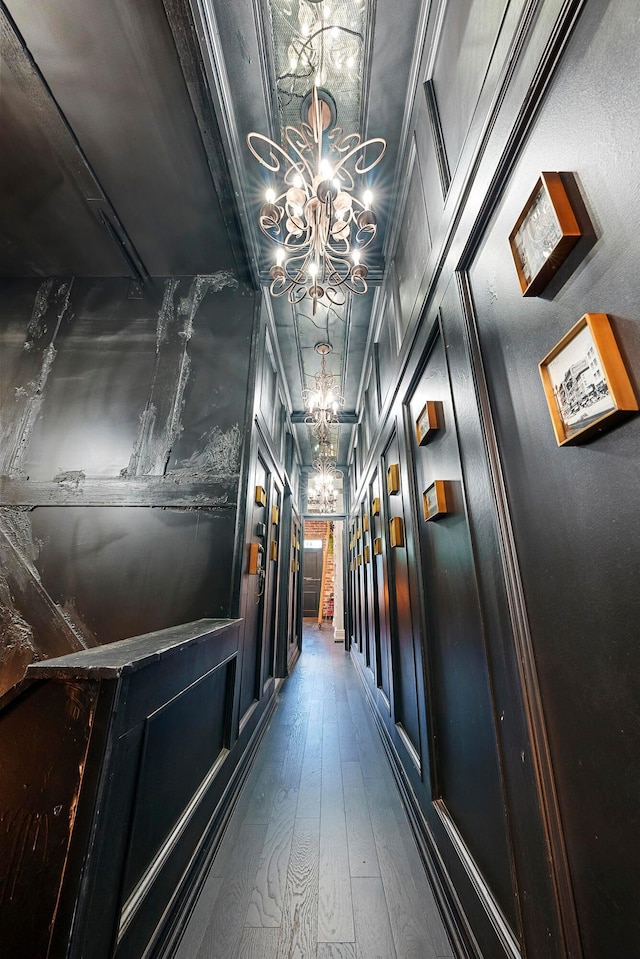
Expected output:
(357, 285)
(361, 148)
(301, 144)
(275, 164)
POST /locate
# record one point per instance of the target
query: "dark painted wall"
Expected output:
(123, 424)
(515, 620)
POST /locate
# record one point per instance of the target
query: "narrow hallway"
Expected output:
(318, 860)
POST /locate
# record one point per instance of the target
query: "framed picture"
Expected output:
(375, 506)
(261, 496)
(434, 500)
(544, 234)
(427, 422)
(585, 381)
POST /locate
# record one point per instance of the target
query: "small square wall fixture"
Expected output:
(377, 546)
(396, 532)
(375, 506)
(261, 496)
(393, 479)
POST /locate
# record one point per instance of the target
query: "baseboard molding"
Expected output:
(293, 659)
(462, 939)
(167, 943)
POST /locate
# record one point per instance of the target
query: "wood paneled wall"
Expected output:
(497, 641)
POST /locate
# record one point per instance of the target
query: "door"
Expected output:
(312, 577)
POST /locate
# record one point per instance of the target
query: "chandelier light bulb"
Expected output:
(270, 195)
(297, 181)
(325, 169)
(367, 199)
(279, 256)
(313, 269)
(355, 256)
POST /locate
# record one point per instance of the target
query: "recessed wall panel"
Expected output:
(466, 773)
(469, 32)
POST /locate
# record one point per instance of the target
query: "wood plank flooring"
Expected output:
(318, 860)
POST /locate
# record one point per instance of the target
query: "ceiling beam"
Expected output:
(181, 22)
(344, 416)
(16, 56)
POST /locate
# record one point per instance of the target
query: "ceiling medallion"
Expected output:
(323, 401)
(319, 225)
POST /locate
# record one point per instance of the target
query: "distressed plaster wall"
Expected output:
(122, 418)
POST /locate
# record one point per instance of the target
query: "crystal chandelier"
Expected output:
(319, 225)
(322, 495)
(323, 400)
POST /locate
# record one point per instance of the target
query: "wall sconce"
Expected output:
(427, 422)
(396, 532)
(393, 479)
(434, 500)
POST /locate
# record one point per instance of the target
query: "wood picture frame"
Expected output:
(274, 550)
(375, 506)
(427, 422)
(365, 522)
(377, 546)
(396, 532)
(544, 234)
(261, 496)
(434, 501)
(393, 479)
(585, 381)
(367, 554)
(275, 514)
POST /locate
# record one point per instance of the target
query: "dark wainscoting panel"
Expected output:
(192, 728)
(163, 751)
(403, 620)
(414, 244)
(253, 599)
(465, 771)
(469, 33)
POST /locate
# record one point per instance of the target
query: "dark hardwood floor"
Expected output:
(318, 860)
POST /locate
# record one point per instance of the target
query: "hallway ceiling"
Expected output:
(123, 128)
